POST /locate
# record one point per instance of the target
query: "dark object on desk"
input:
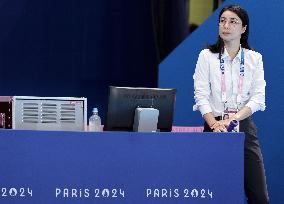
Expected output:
(123, 101)
(232, 125)
(6, 112)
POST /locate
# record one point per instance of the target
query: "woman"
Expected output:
(229, 81)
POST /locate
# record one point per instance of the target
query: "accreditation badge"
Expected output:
(229, 112)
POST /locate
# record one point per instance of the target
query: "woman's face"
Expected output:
(230, 27)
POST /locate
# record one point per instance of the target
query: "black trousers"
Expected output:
(254, 173)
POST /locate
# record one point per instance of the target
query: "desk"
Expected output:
(51, 167)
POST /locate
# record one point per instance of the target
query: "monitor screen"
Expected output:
(122, 102)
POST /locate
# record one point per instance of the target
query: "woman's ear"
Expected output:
(244, 29)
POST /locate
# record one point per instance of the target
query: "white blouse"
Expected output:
(207, 82)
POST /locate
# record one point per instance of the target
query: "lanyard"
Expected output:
(241, 78)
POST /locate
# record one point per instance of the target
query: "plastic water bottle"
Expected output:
(95, 121)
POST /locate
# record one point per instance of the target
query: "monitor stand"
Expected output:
(145, 120)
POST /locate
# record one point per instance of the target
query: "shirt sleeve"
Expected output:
(257, 100)
(202, 85)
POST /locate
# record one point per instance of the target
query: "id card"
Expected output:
(228, 113)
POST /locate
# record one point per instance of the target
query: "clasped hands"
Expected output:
(221, 125)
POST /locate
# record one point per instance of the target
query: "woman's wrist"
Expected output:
(236, 117)
(210, 119)
(212, 123)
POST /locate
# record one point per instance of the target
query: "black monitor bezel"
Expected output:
(153, 97)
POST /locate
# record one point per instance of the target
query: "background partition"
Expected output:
(79, 48)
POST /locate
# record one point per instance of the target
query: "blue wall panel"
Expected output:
(266, 37)
(75, 48)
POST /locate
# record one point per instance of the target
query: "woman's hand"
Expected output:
(219, 126)
(226, 122)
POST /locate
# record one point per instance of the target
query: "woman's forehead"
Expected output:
(229, 15)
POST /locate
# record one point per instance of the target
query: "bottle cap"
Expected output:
(95, 110)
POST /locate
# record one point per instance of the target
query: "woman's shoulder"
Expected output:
(207, 52)
(252, 53)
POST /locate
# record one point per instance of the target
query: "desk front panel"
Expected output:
(45, 167)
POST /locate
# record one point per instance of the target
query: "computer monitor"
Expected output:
(122, 102)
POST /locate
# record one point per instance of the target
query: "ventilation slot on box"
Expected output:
(30, 113)
(48, 113)
(67, 113)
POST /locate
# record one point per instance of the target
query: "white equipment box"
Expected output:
(47, 113)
